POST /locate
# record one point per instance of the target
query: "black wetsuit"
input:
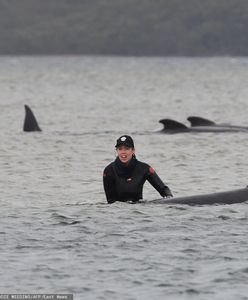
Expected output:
(125, 182)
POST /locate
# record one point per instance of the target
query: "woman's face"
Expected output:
(125, 153)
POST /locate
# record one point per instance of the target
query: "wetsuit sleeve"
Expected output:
(158, 184)
(108, 184)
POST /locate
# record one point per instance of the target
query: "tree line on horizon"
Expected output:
(124, 27)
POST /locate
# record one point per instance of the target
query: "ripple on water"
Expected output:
(58, 234)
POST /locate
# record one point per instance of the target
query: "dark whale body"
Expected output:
(30, 123)
(198, 124)
(228, 197)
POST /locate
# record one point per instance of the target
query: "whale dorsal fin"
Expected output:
(30, 123)
(199, 121)
(170, 124)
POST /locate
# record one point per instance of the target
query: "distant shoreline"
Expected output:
(136, 28)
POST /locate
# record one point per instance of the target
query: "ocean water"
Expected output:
(58, 235)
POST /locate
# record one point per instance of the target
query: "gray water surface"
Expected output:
(58, 235)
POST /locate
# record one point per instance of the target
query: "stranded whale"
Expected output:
(198, 125)
(228, 197)
(199, 121)
(30, 123)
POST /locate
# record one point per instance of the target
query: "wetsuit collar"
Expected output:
(125, 170)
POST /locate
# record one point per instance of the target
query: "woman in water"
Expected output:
(123, 179)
